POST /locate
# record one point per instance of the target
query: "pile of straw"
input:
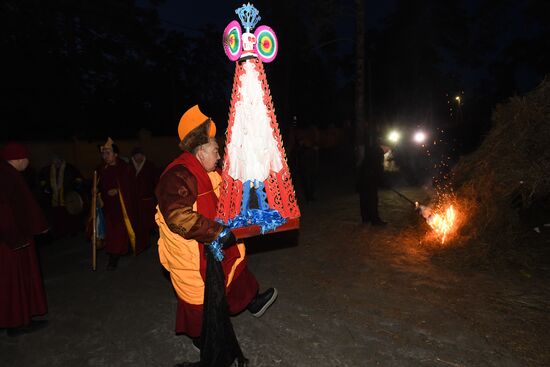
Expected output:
(508, 175)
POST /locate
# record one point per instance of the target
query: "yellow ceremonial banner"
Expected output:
(127, 222)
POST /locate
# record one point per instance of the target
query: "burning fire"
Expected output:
(442, 221)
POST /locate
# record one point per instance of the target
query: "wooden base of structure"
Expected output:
(251, 231)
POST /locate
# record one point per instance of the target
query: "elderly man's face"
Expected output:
(208, 155)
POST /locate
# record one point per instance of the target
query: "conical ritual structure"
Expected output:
(257, 195)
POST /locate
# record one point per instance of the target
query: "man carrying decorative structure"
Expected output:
(201, 212)
(188, 196)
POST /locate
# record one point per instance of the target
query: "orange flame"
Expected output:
(442, 223)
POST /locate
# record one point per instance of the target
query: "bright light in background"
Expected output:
(394, 136)
(457, 98)
(419, 137)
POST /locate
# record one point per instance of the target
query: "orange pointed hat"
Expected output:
(108, 145)
(193, 118)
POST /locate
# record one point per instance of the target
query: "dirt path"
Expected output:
(371, 296)
(350, 295)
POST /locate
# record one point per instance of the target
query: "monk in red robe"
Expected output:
(22, 293)
(117, 196)
(58, 180)
(145, 178)
(208, 288)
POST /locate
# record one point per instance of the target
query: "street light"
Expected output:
(419, 137)
(394, 136)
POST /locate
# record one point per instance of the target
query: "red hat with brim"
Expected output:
(12, 151)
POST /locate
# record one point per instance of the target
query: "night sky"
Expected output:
(93, 68)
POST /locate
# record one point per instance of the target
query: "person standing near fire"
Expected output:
(22, 293)
(307, 158)
(370, 178)
(117, 196)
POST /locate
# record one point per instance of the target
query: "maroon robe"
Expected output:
(145, 182)
(117, 177)
(61, 222)
(183, 183)
(22, 293)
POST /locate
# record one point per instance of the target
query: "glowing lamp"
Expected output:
(419, 137)
(394, 136)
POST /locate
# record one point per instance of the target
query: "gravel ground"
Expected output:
(349, 295)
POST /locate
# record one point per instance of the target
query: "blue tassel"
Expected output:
(100, 223)
(262, 196)
(215, 246)
(268, 220)
(246, 196)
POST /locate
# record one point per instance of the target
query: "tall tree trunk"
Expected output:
(360, 122)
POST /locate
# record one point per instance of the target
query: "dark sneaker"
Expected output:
(196, 344)
(262, 301)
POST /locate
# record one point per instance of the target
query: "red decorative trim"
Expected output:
(278, 186)
(252, 231)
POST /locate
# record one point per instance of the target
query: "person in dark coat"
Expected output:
(370, 178)
(307, 156)
(22, 295)
(145, 177)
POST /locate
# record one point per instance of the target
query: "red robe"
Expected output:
(118, 230)
(61, 222)
(183, 183)
(22, 293)
(145, 182)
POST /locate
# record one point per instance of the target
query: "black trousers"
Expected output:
(368, 203)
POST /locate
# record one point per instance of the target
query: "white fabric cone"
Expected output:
(253, 151)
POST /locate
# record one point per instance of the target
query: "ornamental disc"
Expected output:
(232, 40)
(266, 43)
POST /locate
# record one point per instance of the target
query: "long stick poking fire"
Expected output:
(442, 221)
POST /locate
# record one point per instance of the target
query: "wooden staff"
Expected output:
(94, 222)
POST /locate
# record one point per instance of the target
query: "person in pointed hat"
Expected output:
(22, 295)
(187, 194)
(117, 195)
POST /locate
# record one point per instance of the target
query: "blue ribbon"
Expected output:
(268, 220)
(215, 246)
(100, 223)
